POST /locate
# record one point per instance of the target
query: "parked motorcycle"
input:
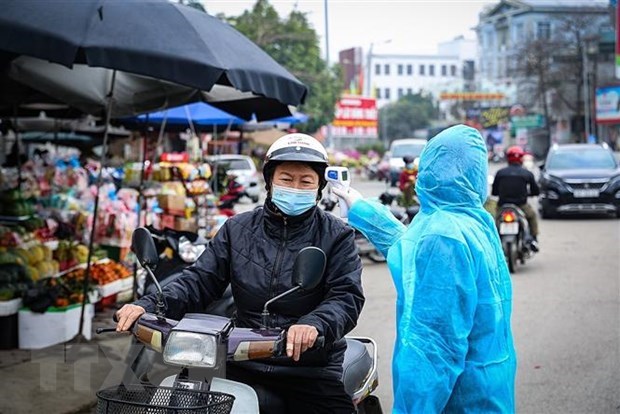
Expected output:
(514, 233)
(200, 345)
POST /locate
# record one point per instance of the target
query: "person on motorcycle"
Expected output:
(513, 184)
(254, 252)
(454, 350)
(407, 179)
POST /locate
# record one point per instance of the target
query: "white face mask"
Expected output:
(293, 202)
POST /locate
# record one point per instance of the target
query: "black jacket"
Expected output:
(255, 251)
(513, 184)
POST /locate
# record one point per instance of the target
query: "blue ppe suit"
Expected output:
(454, 350)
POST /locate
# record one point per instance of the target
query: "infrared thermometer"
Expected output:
(339, 177)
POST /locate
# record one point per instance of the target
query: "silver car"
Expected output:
(243, 168)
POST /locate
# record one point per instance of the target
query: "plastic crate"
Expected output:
(57, 325)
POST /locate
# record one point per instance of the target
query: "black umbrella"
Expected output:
(155, 38)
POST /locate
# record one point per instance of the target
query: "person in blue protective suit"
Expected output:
(454, 349)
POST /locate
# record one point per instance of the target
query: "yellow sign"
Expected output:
(471, 96)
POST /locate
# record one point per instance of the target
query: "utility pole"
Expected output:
(328, 139)
(368, 70)
(586, 90)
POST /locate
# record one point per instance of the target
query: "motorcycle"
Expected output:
(402, 214)
(514, 233)
(200, 345)
(176, 250)
(234, 192)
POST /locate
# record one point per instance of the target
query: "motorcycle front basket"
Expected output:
(150, 399)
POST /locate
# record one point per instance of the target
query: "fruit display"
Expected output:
(101, 273)
(38, 261)
(13, 204)
(13, 278)
(70, 254)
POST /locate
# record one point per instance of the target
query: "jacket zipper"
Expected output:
(276, 267)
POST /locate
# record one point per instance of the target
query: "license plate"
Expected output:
(509, 228)
(586, 193)
(188, 384)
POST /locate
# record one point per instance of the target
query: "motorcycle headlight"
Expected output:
(189, 349)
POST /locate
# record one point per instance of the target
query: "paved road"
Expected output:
(566, 318)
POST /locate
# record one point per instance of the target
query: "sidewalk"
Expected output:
(64, 378)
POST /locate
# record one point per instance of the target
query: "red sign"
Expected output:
(356, 115)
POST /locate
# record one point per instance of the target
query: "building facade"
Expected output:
(557, 85)
(392, 76)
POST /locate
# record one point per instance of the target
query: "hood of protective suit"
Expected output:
(458, 177)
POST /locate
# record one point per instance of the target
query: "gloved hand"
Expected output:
(349, 196)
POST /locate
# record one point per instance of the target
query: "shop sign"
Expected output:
(471, 96)
(356, 116)
(528, 121)
(495, 116)
(608, 105)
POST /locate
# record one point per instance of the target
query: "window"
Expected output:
(400, 69)
(452, 70)
(409, 69)
(387, 93)
(422, 67)
(517, 33)
(386, 69)
(400, 93)
(543, 30)
(409, 91)
(444, 70)
(378, 93)
(377, 69)
(431, 70)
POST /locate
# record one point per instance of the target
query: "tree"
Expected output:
(553, 67)
(294, 44)
(402, 118)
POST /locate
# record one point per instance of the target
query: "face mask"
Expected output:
(293, 202)
(409, 166)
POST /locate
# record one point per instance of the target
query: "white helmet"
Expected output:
(296, 147)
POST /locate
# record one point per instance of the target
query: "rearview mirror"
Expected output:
(309, 267)
(143, 246)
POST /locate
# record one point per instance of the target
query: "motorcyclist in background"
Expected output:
(407, 179)
(254, 252)
(513, 184)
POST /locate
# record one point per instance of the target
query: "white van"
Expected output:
(401, 148)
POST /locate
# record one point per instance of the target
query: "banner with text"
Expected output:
(356, 116)
(608, 105)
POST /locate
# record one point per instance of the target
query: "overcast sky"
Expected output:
(410, 26)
